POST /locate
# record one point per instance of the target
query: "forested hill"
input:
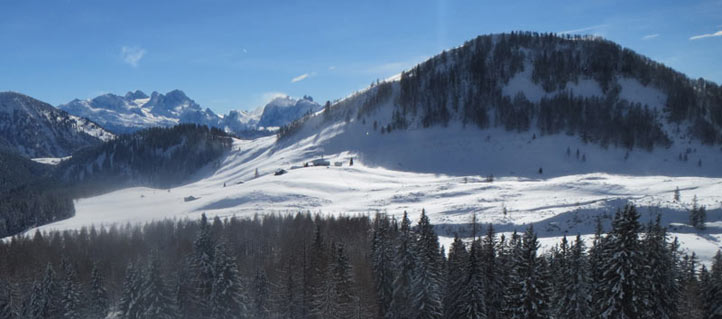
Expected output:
(155, 157)
(551, 84)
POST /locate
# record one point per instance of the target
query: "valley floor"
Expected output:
(554, 206)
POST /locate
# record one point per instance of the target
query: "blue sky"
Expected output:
(238, 54)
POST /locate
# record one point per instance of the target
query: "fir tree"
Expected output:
(576, 285)
(426, 287)
(131, 305)
(227, 298)
(532, 294)
(623, 282)
(342, 276)
(661, 274)
(383, 262)
(202, 271)
(492, 269)
(98, 297)
(70, 299)
(401, 301)
(712, 283)
(457, 271)
(261, 295)
(473, 304)
(156, 299)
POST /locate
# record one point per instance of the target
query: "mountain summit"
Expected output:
(136, 110)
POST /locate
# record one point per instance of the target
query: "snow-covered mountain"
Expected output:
(521, 130)
(36, 129)
(136, 110)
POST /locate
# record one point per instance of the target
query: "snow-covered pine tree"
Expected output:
(661, 273)
(456, 277)
(7, 309)
(426, 286)
(472, 297)
(70, 298)
(690, 297)
(98, 297)
(576, 284)
(131, 305)
(401, 301)
(491, 269)
(343, 277)
(623, 282)
(557, 259)
(201, 272)
(382, 258)
(156, 299)
(45, 301)
(713, 288)
(510, 256)
(227, 296)
(260, 295)
(533, 294)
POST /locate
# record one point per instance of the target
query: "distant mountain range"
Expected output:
(33, 128)
(136, 110)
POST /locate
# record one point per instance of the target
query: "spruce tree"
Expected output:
(623, 283)
(98, 297)
(227, 296)
(713, 288)
(401, 301)
(70, 298)
(457, 275)
(533, 296)
(575, 301)
(473, 304)
(201, 272)
(382, 259)
(156, 299)
(342, 276)
(131, 303)
(492, 269)
(661, 274)
(261, 295)
(426, 286)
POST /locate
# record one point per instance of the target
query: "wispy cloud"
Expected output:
(302, 77)
(650, 36)
(585, 29)
(270, 96)
(331, 68)
(132, 55)
(706, 35)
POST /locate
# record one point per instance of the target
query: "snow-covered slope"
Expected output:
(136, 110)
(427, 151)
(36, 129)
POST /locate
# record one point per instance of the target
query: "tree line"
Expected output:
(32, 194)
(304, 266)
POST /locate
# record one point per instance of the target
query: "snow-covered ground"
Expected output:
(556, 203)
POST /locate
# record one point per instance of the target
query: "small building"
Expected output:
(320, 162)
(189, 198)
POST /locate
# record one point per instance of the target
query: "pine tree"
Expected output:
(576, 285)
(401, 301)
(457, 275)
(7, 310)
(227, 296)
(473, 304)
(661, 274)
(261, 295)
(426, 286)
(156, 299)
(491, 268)
(712, 283)
(201, 272)
(623, 282)
(131, 305)
(325, 301)
(532, 295)
(45, 301)
(342, 276)
(70, 299)
(382, 259)
(690, 297)
(98, 297)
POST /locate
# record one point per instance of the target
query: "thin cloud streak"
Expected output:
(590, 28)
(132, 55)
(650, 36)
(707, 35)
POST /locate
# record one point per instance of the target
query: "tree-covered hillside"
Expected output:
(155, 157)
(583, 86)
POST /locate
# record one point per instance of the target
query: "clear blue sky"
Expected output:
(236, 54)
